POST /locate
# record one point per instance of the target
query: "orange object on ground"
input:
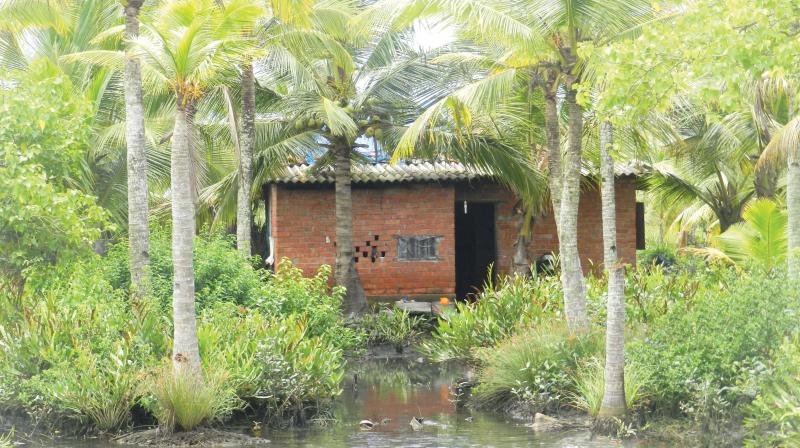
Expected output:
(444, 301)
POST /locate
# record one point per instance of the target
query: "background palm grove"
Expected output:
(135, 137)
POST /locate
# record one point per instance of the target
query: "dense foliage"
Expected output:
(534, 367)
(703, 341)
(78, 352)
(44, 218)
(496, 314)
(223, 276)
(717, 340)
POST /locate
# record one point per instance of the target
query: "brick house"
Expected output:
(428, 229)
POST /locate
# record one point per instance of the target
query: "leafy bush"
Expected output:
(657, 255)
(534, 368)
(499, 310)
(74, 351)
(221, 273)
(288, 292)
(773, 419)
(716, 342)
(651, 293)
(391, 326)
(44, 218)
(274, 364)
(102, 390)
(589, 379)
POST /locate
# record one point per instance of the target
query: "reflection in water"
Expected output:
(399, 390)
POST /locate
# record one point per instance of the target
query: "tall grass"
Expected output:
(185, 400)
(533, 368)
(589, 384)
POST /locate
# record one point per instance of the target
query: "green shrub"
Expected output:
(102, 390)
(658, 255)
(288, 292)
(391, 326)
(534, 368)
(589, 380)
(497, 313)
(44, 133)
(696, 355)
(73, 351)
(221, 273)
(773, 419)
(274, 364)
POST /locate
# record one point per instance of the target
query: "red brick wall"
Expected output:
(303, 230)
(590, 229)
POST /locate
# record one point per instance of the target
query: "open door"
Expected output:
(475, 245)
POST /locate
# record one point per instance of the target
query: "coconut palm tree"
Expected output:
(613, 404)
(138, 210)
(784, 145)
(540, 39)
(185, 47)
(341, 85)
(706, 163)
(244, 219)
(290, 13)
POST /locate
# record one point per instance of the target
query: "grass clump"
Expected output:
(589, 384)
(183, 399)
(533, 368)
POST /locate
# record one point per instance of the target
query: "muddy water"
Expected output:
(400, 389)
(391, 392)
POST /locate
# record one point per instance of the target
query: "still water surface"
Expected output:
(399, 389)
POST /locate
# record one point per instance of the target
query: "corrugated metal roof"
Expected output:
(418, 171)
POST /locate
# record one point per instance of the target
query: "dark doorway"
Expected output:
(475, 245)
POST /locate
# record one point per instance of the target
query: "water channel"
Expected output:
(391, 392)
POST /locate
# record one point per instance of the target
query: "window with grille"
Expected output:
(418, 247)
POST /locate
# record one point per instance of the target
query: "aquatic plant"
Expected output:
(533, 368)
(391, 326)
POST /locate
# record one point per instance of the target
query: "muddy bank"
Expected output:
(205, 437)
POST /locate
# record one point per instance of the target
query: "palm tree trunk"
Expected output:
(553, 146)
(345, 273)
(243, 210)
(613, 405)
(571, 273)
(185, 349)
(138, 230)
(793, 210)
